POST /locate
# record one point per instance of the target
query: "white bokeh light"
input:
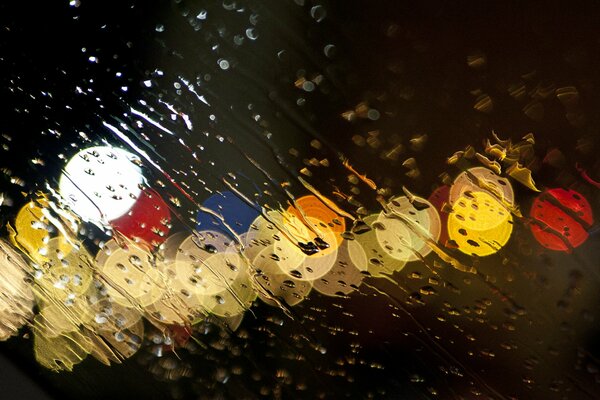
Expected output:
(101, 183)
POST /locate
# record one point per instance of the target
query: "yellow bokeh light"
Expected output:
(282, 233)
(33, 232)
(199, 272)
(129, 274)
(280, 285)
(346, 275)
(319, 210)
(63, 275)
(405, 230)
(481, 179)
(380, 261)
(479, 224)
(16, 296)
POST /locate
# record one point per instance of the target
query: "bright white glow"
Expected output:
(101, 183)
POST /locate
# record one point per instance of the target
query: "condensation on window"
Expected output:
(300, 199)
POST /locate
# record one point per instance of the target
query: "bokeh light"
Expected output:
(479, 224)
(147, 221)
(561, 219)
(101, 183)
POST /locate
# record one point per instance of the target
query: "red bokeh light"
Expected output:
(439, 198)
(560, 219)
(147, 221)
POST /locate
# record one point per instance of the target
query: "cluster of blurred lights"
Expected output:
(97, 304)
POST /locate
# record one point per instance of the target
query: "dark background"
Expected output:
(406, 59)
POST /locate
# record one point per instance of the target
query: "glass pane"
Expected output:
(299, 199)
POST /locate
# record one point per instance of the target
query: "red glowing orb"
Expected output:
(439, 198)
(561, 219)
(147, 221)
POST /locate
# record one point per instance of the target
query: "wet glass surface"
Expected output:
(301, 199)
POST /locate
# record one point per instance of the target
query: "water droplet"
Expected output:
(318, 13)
(135, 260)
(360, 227)
(223, 64)
(210, 248)
(308, 248)
(347, 235)
(308, 86)
(373, 114)
(229, 5)
(289, 283)
(296, 274)
(251, 34)
(321, 244)
(329, 50)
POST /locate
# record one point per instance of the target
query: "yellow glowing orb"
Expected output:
(405, 230)
(346, 275)
(56, 318)
(311, 207)
(33, 231)
(481, 179)
(180, 303)
(198, 272)
(234, 298)
(64, 275)
(282, 233)
(276, 283)
(379, 253)
(62, 352)
(479, 224)
(129, 274)
(16, 297)
(314, 265)
(109, 316)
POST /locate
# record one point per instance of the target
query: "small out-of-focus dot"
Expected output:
(318, 13)
(392, 30)
(238, 39)
(308, 86)
(329, 50)
(251, 33)
(373, 114)
(229, 5)
(224, 64)
(160, 28)
(476, 60)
